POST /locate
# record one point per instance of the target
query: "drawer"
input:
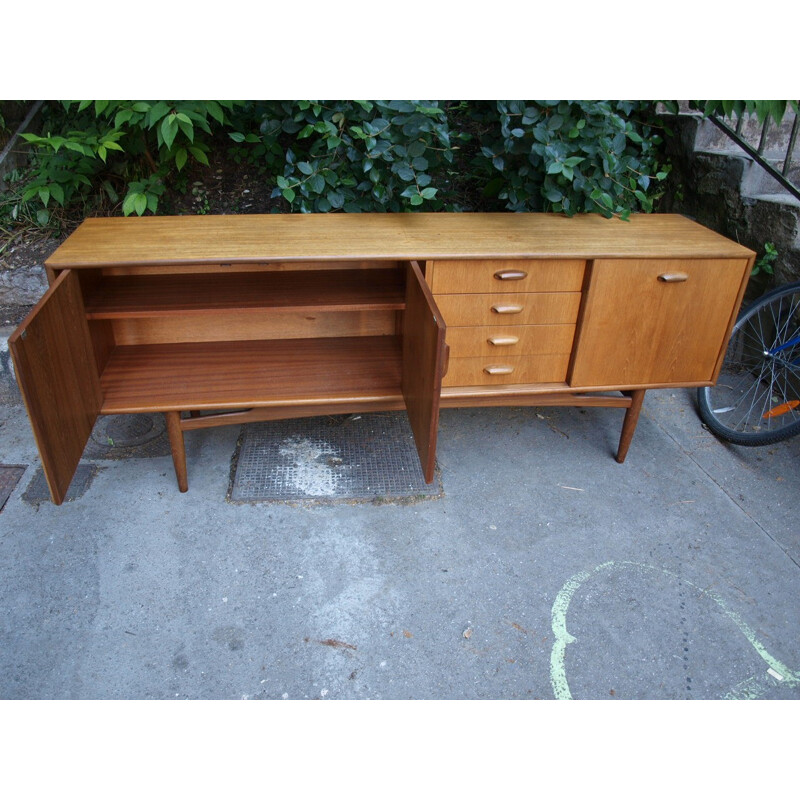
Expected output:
(486, 371)
(501, 341)
(524, 308)
(505, 275)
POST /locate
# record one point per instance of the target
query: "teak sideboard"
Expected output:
(217, 320)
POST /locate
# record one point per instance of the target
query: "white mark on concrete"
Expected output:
(285, 696)
(323, 693)
(307, 473)
(777, 676)
(558, 616)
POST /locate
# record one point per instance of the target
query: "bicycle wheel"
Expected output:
(756, 400)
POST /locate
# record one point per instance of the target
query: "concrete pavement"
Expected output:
(546, 570)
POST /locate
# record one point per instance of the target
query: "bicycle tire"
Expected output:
(756, 400)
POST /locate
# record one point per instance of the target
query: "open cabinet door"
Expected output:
(423, 363)
(57, 375)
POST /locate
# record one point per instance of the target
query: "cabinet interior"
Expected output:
(217, 337)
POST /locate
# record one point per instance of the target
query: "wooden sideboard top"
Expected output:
(251, 238)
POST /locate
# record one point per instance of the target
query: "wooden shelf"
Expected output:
(281, 372)
(300, 291)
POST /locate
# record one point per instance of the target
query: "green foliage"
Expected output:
(563, 156)
(100, 146)
(765, 263)
(357, 155)
(763, 109)
(574, 157)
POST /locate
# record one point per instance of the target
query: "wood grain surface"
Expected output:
(512, 340)
(210, 239)
(219, 375)
(535, 308)
(57, 375)
(423, 335)
(639, 331)
(323, 290)
(515, 369)
(497, 275)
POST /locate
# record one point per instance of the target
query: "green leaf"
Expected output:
(336, 199)
(44, 195)
(156, 112)
(199, 155)
(180, 158)
(289, 195)
(429, 193)
(141, 107)
(169, 130)
(305, 167)
(416, 200)
(237, 137)
(139, 204)
(57, 193)
(110, 191)
(127, 204)
(187, 128)
(316, 183)
(42, 216)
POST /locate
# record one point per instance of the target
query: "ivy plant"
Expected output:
(573, 156)
(357, 155)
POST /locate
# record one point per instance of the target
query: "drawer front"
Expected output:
(524, 308)
(505, 275)
(487, 371)
(502, 341)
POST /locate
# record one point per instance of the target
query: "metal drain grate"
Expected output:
(9, 478)
(366, 457)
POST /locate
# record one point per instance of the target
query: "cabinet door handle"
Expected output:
(673, 277)
(500, 341)
(510, 275)
(498, 370)
(498, 309)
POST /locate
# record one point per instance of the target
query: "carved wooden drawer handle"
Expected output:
(510, 275)
(673, 277)
(498, 309)
(498, 370)
(500, 341)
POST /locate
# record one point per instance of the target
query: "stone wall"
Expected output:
(707, 188)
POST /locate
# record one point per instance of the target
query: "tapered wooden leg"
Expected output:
(178, 450)
(629, 423)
